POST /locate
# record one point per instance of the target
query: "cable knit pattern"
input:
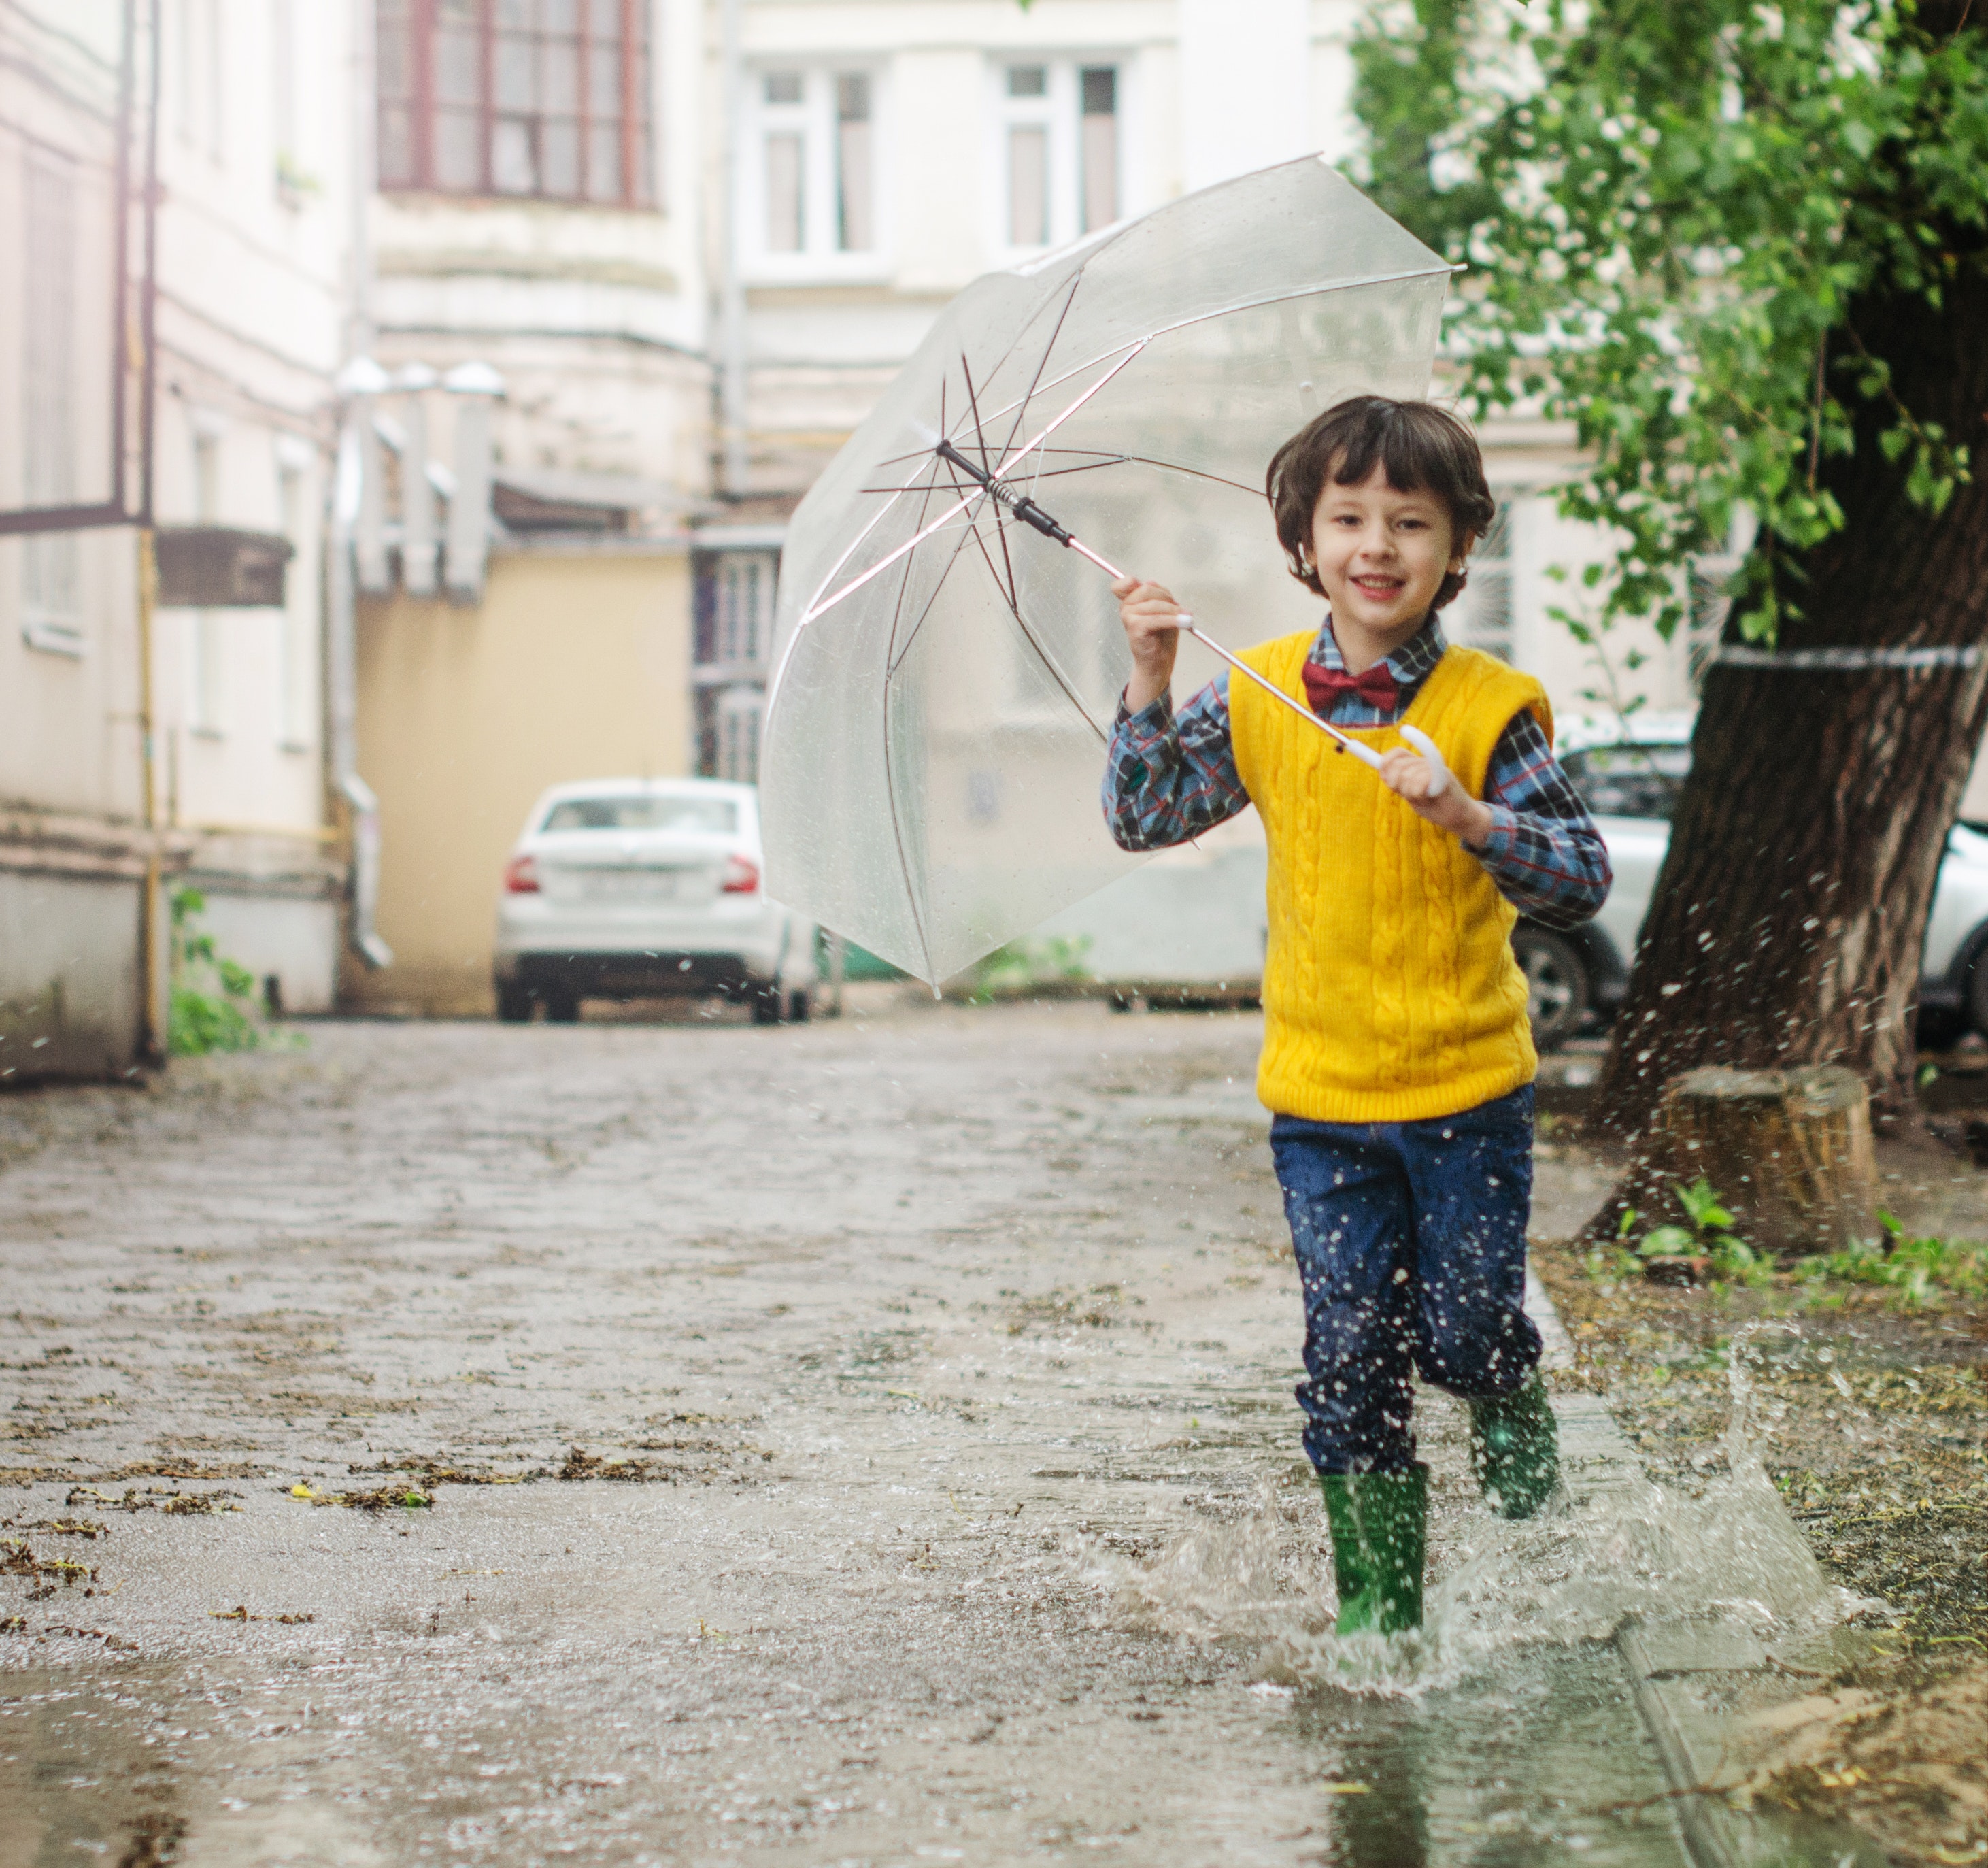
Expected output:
(1390, 991)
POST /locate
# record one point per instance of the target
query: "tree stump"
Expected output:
(1788, 1152)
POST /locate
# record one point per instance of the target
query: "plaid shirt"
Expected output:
(1169, 778)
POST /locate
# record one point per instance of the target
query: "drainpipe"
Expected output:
(154, 947)
(732, 307)
(357, 383)
(360, 381)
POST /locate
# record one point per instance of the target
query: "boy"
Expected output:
(1397, 1061)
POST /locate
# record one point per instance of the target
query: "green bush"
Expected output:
(1709, 1235)
(213, 999)
(1917, 1270)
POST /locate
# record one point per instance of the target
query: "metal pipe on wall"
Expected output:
(732, 308)
(358, 382)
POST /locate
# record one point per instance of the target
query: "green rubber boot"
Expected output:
(1378, 1522)
(1515, 1450)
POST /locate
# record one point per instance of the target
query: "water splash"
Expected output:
(1614, 1545)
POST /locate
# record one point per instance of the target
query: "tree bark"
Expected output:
(1788, 1152)
(1788, 918)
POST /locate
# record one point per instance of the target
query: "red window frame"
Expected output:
(622, 24)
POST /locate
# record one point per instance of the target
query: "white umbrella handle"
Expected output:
(1438, 772)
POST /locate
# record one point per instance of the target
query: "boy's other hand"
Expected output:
(1409, 776)
(1152, 616)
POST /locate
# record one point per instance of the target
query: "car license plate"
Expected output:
(627, 885)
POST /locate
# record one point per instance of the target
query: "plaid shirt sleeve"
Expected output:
(1169, 777)
(1543, 851)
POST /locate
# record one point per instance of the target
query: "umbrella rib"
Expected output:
(1043, 655)
(973, 406)
(898, 837)
(1226, 311)
(891, 659)
(1010, 587)
(1042, 362)
(823, 604)
(1096, 465)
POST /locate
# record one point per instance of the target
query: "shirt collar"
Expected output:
(1408, 664)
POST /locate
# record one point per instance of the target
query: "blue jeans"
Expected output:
(1410, 1243)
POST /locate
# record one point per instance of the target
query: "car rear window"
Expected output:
(666, 811)
(1630, 781)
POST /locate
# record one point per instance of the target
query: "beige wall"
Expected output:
(576, 665)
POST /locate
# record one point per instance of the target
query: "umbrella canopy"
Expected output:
(946, 677)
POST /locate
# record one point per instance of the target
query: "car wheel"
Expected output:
(800, 1006)
(514, 1005)
(765, 1005)
(1557, 985)
(562, 1008)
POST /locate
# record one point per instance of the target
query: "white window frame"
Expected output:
(813, 119)
(741, 709)
(1061, 111)
(51, 595)
(743, 625)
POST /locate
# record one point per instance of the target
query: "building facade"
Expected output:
(254, 287)
(147, 751)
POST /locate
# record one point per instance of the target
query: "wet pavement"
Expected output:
(869, 1442)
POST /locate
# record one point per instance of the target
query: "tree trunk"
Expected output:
(1788, 1152)
(1788, 920)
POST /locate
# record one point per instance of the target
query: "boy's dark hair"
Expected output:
(1424, 449)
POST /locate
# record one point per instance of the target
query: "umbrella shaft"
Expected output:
(1028, 510)
(1354, 746)
(1365, 753)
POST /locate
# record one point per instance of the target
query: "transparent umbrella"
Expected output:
(945, 672)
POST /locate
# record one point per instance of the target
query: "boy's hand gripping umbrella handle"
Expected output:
(1438, 772)
(1031, 514)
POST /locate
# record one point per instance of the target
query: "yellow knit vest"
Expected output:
(1390, 990)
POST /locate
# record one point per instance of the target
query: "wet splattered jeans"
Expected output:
(1410, 1242)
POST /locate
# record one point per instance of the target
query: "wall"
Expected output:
(575, 665)
(255, 155)
(71, 841)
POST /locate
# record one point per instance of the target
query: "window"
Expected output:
(745, 607)
(732, 642)
(1630, 781)
(546, 99)
(812, 185)
(288, 172)
(665, 811)
(51, 593)
(739, 710)
(1482, 617)
(200, 92)
(1058, 151)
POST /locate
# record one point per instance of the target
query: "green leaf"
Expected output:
(1701, 1205)
(1667, 1242)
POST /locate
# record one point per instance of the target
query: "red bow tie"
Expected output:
(1377, 687)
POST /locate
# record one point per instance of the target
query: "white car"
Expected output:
(644, 888)
(1630, 773)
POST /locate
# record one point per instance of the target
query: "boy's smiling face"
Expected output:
(1381, 555)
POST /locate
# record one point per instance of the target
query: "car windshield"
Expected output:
(644, 811)
(1629, 781)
